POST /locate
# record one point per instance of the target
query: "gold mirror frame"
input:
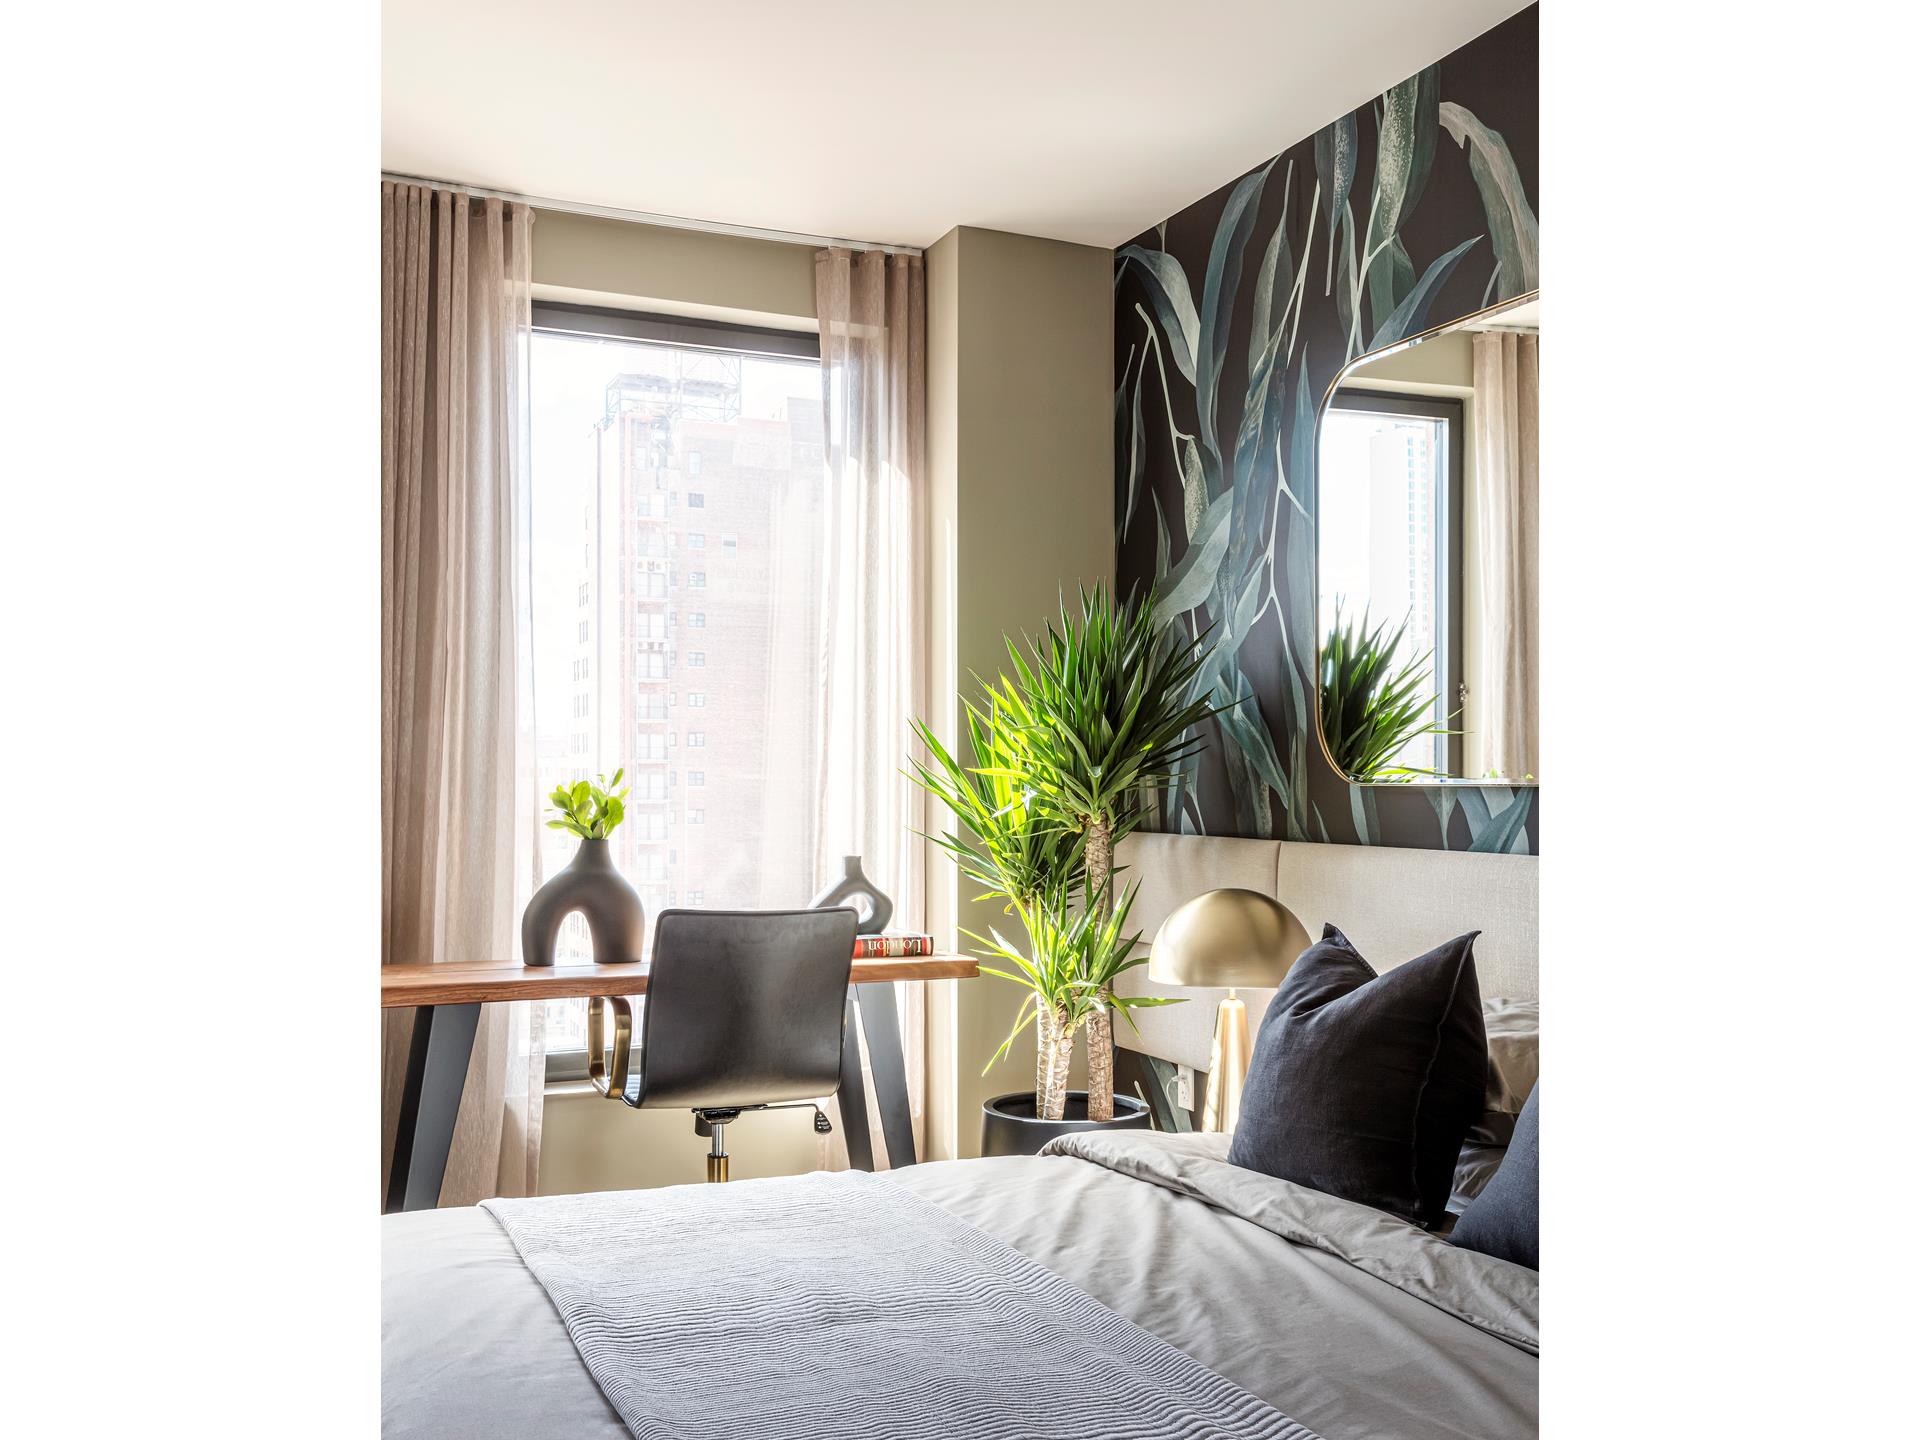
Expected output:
(1319, 418)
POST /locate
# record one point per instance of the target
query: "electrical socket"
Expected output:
(1183, 1086)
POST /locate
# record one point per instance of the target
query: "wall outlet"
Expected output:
(1183, 1086)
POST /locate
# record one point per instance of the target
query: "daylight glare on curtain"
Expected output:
(457, 821)
(872, 311)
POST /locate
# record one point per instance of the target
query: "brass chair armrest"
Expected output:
(609, 1079)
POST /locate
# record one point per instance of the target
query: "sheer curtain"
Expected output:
(1506, 460)
(457, 804)
(872, 310)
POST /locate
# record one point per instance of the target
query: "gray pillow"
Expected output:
(1505, 1220)
(1513, 1067)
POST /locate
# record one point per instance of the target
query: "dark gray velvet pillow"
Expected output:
(1363, 1085)
(1505, 1219)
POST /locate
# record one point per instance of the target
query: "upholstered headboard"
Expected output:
(1393, 904)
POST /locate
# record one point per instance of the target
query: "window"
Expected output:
(1390, 514)
(625, 408)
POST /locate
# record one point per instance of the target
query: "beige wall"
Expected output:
(588, 1142)
(723, 277)
(1020, 378)
(1020, 437)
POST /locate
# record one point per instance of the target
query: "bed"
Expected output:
(1131, 1283)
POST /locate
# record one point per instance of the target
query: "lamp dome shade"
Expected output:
(1227, 938)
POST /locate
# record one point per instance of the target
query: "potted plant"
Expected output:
(1096, 715)
(589, 884)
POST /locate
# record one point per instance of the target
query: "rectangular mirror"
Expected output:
(1428, 557)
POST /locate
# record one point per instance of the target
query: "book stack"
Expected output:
(890, 947)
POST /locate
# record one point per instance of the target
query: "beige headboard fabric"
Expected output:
(1393, 904)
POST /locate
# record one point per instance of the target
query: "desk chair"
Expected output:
(744, 1010)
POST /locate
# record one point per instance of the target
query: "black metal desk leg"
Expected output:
(853, 1094)
(880, 1023)
(429, 1103)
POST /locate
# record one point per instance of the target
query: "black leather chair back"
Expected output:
(744, 1007)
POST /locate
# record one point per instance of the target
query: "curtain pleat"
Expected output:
(457, 803)
(872, 312)
(1506, 399)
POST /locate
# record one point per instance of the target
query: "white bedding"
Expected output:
(1173, 1239)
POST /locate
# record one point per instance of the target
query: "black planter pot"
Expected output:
(590, 884)
(1008, 1125)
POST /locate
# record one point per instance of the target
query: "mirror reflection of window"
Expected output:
(1386, 467)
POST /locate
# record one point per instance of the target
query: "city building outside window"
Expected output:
(621, 422)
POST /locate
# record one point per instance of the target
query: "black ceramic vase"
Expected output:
(614, 915)
(1010, 1126)
(854, 889)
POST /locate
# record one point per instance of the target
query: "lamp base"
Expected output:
(1227, 1067)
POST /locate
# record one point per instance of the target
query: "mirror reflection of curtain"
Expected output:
(1506, 468)
(873, 321)
(456, 794)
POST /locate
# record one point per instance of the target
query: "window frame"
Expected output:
(685, 331)
(1450, 538)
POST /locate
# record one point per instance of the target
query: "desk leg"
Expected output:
(429, 1103)
(853, 1094)
(880, 1023)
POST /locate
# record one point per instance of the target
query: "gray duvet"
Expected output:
(1350, 1322)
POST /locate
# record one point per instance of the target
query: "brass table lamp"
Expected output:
(1227, 938)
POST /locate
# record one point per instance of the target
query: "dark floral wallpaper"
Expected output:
(1231, 321)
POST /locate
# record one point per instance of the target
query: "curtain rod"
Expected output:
(641, 217)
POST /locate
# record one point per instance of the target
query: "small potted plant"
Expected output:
(589, 884)
(1065, 754)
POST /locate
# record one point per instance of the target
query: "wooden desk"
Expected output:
(448, 999)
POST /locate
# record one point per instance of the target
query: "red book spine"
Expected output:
(890, 947)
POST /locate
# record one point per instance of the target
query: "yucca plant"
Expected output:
(1076, 954)
(1372, 705)
(1097, 715)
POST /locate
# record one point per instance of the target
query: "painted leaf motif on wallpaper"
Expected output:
(1510, 219)
(1275, 278)
(1410, 318)
(1336, 154)
(1502, 831)
(1172, 300)
(1192, 579)
(1217, 294)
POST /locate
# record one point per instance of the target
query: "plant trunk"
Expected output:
(1050, 1070)
(1100, 1026)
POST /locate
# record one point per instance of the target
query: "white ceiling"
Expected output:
(888, 120)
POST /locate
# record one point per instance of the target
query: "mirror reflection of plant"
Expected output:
(1372, 705)
(588, 809)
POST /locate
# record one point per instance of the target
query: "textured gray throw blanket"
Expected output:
(842, 1305)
